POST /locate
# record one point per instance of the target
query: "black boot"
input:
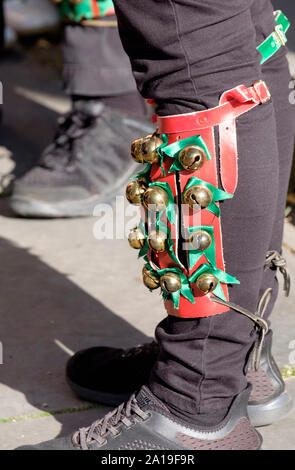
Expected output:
(87, 163)
(144, 423)
(110, 376)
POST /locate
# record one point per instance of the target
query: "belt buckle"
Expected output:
(262, 91)
(280, 35)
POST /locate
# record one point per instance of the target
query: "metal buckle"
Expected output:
(256, 87)
(280, 35)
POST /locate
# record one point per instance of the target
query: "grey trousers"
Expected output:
(95, 63)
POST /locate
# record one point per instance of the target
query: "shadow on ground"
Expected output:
(38, 305)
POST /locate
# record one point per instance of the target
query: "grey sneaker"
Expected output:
(269, 401)
(87, 163)
(144, 423)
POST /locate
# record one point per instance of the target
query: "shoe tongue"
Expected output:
(146, 400)
(91, 107)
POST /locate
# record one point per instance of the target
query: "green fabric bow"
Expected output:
(161, 153)
(220, 275)
(218, 194)
(194, 255)
(185, 289)
(145, 173)
(173, 150)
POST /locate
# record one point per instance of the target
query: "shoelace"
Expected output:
(125, 414)
(275, 260)
(71, 127)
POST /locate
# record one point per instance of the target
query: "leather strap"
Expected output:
(233, 103)
(276, 39)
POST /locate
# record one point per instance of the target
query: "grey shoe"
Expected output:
(87, 163)
(269, 401)
(144, 423)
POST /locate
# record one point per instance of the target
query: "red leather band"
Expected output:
(233, 103)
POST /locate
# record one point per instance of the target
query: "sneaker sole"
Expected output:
(95, 396)
(271, 412)
(34, 208)
(259, 415)
(27, 207)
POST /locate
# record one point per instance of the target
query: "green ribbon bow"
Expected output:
(218, 194)
(161, 153)
(173, 150)
(145, 173)
(220, 275)
(194, 255)
(185, 289)
(170, 208)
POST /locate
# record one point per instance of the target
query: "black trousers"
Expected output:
(184, 54)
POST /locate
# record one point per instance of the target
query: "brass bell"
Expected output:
(136, 239)
(136, 150)
(157, 240)
(149, 149)
(150, 280)
(170, 282)
(207, 283)
(135, 191)
(156, 199)
(198, 194)
(192, 157)
(200, 240)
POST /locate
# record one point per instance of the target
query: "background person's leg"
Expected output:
(88, 160)
(96, 66)
(201, 366)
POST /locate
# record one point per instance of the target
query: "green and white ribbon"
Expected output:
(220, 275)
(276, 39)
(218, 194)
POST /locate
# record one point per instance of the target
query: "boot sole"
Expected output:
(271, 412)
